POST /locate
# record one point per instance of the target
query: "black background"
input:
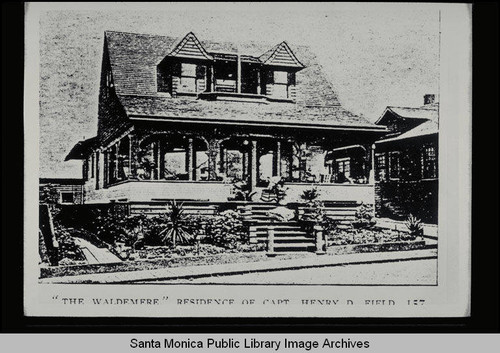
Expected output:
(485, 276)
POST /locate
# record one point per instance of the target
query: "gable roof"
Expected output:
(134, 57)
(426, 112)
(427, 128)
(280, 55)
(190, 47)
(82, 148)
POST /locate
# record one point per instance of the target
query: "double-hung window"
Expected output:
(380, 166)
(429, 162)
(394, 165)
(188, 78)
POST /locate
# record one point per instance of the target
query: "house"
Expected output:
(184, 118)
(406, 162)
(65, 191)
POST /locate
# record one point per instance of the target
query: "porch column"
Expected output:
(238, 74)
(371, 177)
(97, 169)
(213, 152)
(117, 160)
(156, 153)
(277, 160)
(189, 159)
(223, 160)
(212, 78)
(302, 162)
(161, 160)
(105, 180)
(133, 155)
(244, 164)
(259, 85)
(253, 165)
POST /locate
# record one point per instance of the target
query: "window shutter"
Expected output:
(200, 71)
(291, 78)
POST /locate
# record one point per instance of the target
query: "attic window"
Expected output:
(188, 78)
(283, 80)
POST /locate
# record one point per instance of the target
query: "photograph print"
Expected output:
(239, 150)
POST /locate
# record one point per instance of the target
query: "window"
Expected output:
(282, 80)
(188, 78)
(343, 170)
(394, 165)
(67, 197)
(225, 76)
(380, 166)
(92, 166)
(429, 162)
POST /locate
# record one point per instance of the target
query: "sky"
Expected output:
(374, 55)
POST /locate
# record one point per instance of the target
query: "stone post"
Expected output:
(320, 242)
(270, 241)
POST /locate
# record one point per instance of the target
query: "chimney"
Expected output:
(429, 98)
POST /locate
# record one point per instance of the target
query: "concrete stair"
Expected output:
(288, 236)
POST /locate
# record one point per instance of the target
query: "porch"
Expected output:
(218, 191)
(152, 162)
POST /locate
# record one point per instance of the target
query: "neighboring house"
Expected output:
(65, 191)
(182, 119)
(406, 162)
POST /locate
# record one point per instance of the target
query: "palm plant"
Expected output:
(414, 225)
(176, 229)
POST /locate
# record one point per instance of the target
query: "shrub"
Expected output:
(49, 194)
(225, 229)
(364, 217)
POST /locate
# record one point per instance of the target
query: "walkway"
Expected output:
(241, 268)
(95, 255)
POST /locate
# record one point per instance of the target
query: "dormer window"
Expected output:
(188, 78)
(225, 76)
(189, 69)
(281, 84)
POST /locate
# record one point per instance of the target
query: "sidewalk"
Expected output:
(241, 268)
(95, 255)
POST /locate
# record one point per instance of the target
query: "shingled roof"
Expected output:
(134, 58)
(426, 112)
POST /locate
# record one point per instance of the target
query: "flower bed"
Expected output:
(374, 235)
(376, 247)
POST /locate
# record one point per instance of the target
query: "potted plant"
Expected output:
(309, 195)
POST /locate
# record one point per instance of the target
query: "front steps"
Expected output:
(288, 236)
